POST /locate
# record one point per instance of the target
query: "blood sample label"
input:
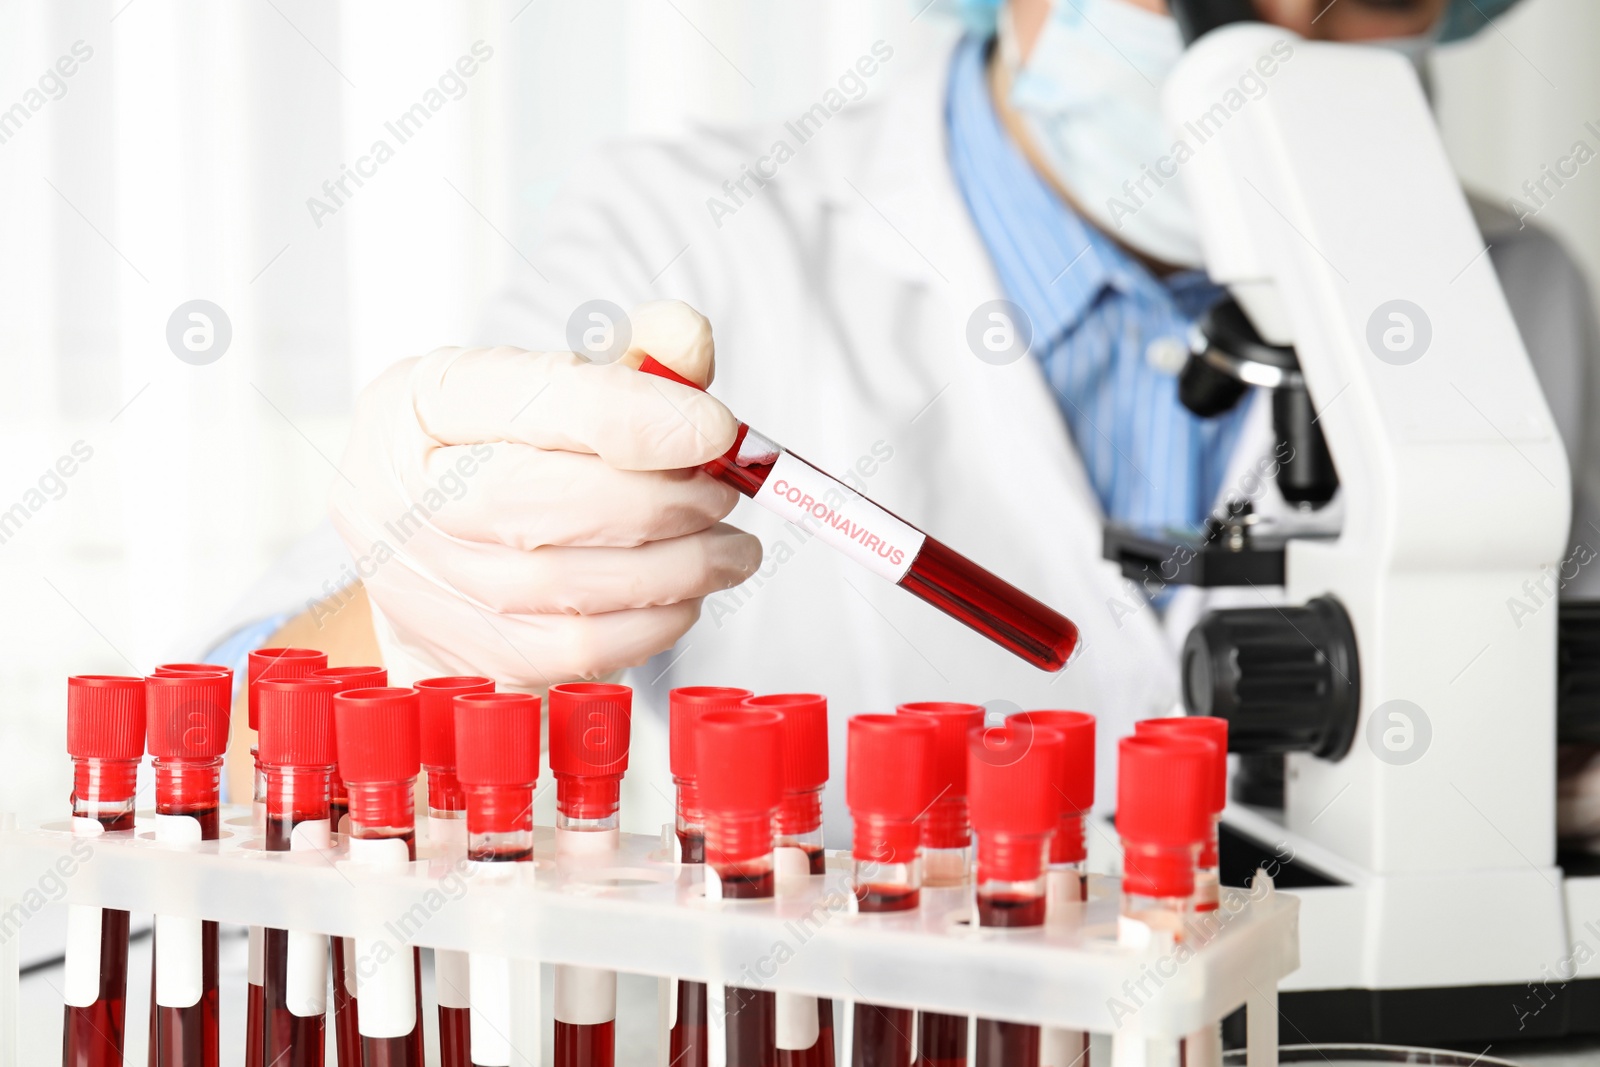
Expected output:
(254, 967)
(306, 977)
(179, 946)
(790, 863)
(489, 1014)
(798, 1025)
(585, 996)
(385, 973)
(840, 516)
(81, 984)
(1062, 1048)
(452, 978)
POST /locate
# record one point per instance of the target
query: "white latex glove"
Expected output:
(537, 518)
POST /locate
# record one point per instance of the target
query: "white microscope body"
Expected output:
(1328, 207)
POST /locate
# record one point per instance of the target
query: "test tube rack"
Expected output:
(637, 910)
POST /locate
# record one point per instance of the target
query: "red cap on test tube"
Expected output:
(438, 715)
(1075, 787)
(348, 678)
(1163, 812)
(295, 716)
(590, 724)
(803, 753)
(1012, 774)
(105, 717)
(889, 784)
(946, 825)
(186, 715)
(741, 782)
(266, 663)
(192, 668)
(1213, 731)
(686, 705)
(497, 738)
(377, 733)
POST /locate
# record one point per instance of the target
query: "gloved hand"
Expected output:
(537, 518)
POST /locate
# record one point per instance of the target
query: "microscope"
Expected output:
(1394, 725)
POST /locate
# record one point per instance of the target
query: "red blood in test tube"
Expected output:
(294, 717)
(889, 786)
(497, 762)
(105, 738)
(346, 1015)
(447, 830)
(740, 764)
(686, 1040)
(260, 664)
(804, 754)
(187, 720)
(946, 853)
(1012, 776)
(377, 731)
(937, 573)
(589, 733)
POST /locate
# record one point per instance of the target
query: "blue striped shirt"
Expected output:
(1098, 315)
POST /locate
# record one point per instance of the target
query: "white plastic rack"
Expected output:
(636, 910)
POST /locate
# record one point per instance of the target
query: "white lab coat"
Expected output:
(839, 293)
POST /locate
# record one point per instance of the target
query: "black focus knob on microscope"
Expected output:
(1286, 679)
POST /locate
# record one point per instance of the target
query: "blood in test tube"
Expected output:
(186, 717)
(787, 485)
(1202, 1048)
(589, 732)
(686, 1013)
(447, 831)
(346, 1016)
(1067, 885)
(738, 754)
(378, 747)
(804, 755)
(1012, 775)
(295, 743)
(105, 738)
(946, 853)
(497, 763)
(265, 663)
(888, 786)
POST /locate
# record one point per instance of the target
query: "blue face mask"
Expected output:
(1462, 18)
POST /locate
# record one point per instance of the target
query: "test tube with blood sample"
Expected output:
(260, 664)
(346, 1014)
(803, 1025)
(379, 759)
(888, 786)
(946, 853)
(738, 754)
(1203, 1048)
(887, 545)
(447, 830)
(589, 733)
(683, 1003)
(1012, 774)
(187, 723)
(294, 717)
(1067, 884)
(105, 738)
(497, 764)
(1163, 816)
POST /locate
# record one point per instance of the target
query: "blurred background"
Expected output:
(186, 159)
